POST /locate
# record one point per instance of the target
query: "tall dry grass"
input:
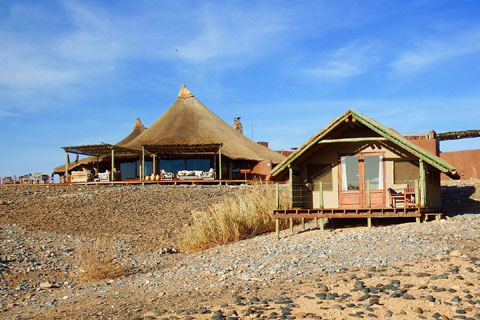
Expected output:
(244, 216)
(96, 261)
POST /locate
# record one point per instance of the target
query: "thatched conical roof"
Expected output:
(189, 122)
(138, 129)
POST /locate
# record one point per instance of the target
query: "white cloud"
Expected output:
(349, 61)
(432, 51)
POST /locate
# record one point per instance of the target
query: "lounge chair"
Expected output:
(166, 175)
(189, 175)
(208, 175)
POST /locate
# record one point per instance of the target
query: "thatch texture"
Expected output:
(189, 122)
(138, 129)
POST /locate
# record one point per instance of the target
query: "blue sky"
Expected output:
(80, 72)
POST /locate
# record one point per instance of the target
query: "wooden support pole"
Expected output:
(423, 184)
(215, 166)
(277, 196)
(369, 202)
(143, 163)
(98, 166)
(154, 166)
(220, 163)
(417, 219)
(417, 194)
(322, 224)
(369, 222)
(67, 160)
(277, 228)
(316, 222)
(353, 139)
(113, 164)
(303, 224)
(320, 194)
(291, 225)
(290, 187)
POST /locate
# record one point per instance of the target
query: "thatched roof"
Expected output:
(138, 128)
(189, 122)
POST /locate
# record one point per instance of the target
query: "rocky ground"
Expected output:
(398, 270)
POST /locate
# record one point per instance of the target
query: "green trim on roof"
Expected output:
(376, 127)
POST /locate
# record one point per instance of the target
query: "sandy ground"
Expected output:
(42, 229)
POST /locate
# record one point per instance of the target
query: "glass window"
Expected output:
(127, 170)
(373, 172)
(172, 165)
(198, 164)
(350, 173)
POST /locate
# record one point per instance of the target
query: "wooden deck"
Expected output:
(138, 181)
(413, 212)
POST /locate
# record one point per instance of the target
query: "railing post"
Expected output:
(277, 196)
(277, 228)
(423, 186)
(220, 163)
(67, 160)
(369, 203)
(143, 163)
(113, 164)
(320, 195)
(290, 186)
(417, 194)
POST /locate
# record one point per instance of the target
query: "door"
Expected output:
(355, 171)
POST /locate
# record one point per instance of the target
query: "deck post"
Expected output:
(322, 224)
(423, 186)
(369, 222)
(220, 163)
(290, 186)
(277, 196)
(291, 225)
(303, 224)
(316, 223)
(215, 166)
(417, 194)
(143, 163)
(277, 228)
(154, 167)
(113, 164)
(98, 166)
(417, 219)
(369, 202)
(320, 195)
(67, 160)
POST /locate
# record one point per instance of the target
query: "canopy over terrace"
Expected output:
(97, 150)
(167, 151)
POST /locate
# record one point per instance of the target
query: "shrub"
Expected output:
(244, 216)
(96, 261)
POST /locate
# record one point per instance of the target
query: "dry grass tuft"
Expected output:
(245, 216)
(96, 261)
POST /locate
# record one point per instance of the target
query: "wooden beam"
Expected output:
(154, 167)
(417, 194)
(277, 228)
(220, 163)
(423, 187)
(113, 164)
(352, 140)
(290, 186)
(369, 202)
(67, 161)
(143, 164)
(277, 196)
(320, 195)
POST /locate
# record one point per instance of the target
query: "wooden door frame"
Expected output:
(361, 181)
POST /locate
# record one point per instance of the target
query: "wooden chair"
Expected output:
(394, 196)
(409, 197)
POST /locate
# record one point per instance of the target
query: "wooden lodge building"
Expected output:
(357, 168)
(187, 137)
